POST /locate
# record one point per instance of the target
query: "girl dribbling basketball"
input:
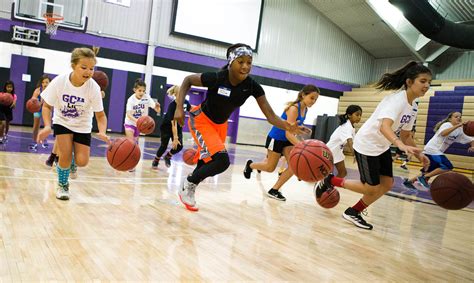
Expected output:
(448, 131)
(344, 134)
(280, 142)
(228, 89)
(41, 85)
(137, 106)
(170, 129)
(372, 142)
(75, 98)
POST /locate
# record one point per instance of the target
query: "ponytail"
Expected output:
(174, 90)
(138, 83)
(351, 109)
(397, 79)
(307, 89)
(438, 125)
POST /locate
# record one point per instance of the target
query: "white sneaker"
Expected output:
(186, 195)
(73, 173)
(62, 192)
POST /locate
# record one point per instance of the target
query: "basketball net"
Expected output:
(52, 22)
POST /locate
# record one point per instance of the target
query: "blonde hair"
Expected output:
(174, 90)
(84, 52)
(438, 125)
(307, 89)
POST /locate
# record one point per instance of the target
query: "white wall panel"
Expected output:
(449, 66)
(382, 66)
(132, 23)
(301, 39)
(294, 37)
(5, 9)
(455, 66)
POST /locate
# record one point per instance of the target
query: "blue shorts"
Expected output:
(439, 161)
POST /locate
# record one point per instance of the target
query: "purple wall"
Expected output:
(19, 67)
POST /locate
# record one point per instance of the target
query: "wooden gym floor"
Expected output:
(130, 226)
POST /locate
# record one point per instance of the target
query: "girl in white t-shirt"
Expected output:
(344, 134)
(137, 106)
(372, 142)
(448, 131)
(75, 98)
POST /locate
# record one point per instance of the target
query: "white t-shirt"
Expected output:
(339, 138)
(74, 106)
(438, 144)
(369, 140)
(139, 107)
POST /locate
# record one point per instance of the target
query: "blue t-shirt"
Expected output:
(279, 134)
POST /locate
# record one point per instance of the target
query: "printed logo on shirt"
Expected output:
(405, 119)
(224, 91)
(138, 110)
(74, 106)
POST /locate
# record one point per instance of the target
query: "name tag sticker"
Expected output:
(224, 91)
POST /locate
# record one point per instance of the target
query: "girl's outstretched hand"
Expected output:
(103, 137)
(296, 129)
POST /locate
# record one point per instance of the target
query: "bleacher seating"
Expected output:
(442, 98)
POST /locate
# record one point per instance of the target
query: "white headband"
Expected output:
(238, 52)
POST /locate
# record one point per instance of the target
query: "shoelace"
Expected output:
(364, 212)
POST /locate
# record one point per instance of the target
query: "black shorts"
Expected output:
(9, 113)
(372, 167)
(276, 145)
(3, 113)
(81, 138)
(166, 133)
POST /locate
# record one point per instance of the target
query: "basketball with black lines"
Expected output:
(123, 154)
(311, 160)
(145, 125)
(452, 190)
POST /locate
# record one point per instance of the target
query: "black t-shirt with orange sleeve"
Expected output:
(223, 98)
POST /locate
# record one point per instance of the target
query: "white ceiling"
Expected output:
(359, 21)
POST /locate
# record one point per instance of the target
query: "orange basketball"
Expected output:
(6, 98)
(33, 105)
(469, 128)
(311, 160)
(101, 79)
(329, 198)
(123, 154)
(145, 125)
(452, 190)
(188, 156)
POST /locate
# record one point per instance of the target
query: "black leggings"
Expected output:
(166, 136)
(219, 163)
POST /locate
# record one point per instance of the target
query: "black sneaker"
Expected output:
(409, 184)
(355, 218)
(323, 185)
(248, 170)
(50, 161)
(154, 164)
(167, 159)
(276, 195)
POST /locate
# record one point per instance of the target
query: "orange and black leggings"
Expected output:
(210, 137)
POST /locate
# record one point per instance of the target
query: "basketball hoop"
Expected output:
(52, 22)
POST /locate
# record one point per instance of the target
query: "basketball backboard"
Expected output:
(73, 11)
